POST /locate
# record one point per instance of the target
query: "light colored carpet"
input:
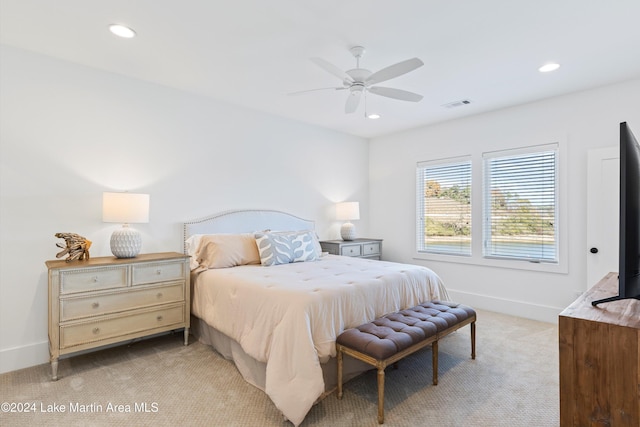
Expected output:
(512, 382)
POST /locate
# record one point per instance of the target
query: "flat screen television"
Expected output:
(629, 255)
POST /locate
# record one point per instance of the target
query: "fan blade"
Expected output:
(394, 70)
(390, 92)
(352, 102)
(330, 68)
(300, 92)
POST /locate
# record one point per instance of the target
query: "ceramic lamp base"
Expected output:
(126, 242)
(348, 231)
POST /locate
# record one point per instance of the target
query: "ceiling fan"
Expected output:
(359, 81)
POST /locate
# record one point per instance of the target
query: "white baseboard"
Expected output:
(16, 358)
(527, 310)
(12, 359)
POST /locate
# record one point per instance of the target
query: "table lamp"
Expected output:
(348, 211)
(125, 208)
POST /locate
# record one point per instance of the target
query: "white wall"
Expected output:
(68, 133)
(584, 121)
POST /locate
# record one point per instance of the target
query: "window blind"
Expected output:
(520, 204)
(443, 200)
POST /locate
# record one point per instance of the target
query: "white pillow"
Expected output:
(191, 247)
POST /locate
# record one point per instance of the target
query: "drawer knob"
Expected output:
(95, 305)
(96, 331)
(159, 318)
(158, 271)
(95, 278)
(159, 295)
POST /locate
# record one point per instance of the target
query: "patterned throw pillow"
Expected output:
(286, 247)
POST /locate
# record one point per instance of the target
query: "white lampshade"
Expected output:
(125, 208)
(348, 211)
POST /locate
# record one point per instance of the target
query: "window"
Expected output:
(514, 198)
(520, 204)
(443, 198)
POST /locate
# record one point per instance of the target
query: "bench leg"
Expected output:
(380, 395)
(473, 340)
(434, 361)
(339, 373)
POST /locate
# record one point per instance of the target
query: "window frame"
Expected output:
(487, 221)
(420, 208)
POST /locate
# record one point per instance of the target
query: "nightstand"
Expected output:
(106, 300)
(361, 248)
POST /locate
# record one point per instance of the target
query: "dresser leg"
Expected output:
(54, 369)
(186, 336)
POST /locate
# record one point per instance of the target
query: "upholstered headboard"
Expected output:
(245, 221)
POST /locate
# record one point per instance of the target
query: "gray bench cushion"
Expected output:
(397, 331)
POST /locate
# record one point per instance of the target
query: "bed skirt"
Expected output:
(254, 371)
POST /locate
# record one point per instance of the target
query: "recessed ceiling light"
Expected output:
(373, 116)
(549, 67)
(122, 31)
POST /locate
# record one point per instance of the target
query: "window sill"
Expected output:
(559, 268)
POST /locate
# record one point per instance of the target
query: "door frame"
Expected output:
(597, 230)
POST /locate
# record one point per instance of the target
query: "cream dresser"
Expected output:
(107, 300)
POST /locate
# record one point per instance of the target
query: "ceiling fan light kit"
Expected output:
(359, 81)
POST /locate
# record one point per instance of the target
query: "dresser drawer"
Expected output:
(88, 279)
(84, 306)
(351, 250)
(81, 333)
(371, 249)
(157, 272)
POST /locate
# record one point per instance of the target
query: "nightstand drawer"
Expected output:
(89, 279)
(371, 249)
(81, 333)
(93, 305)
(157, 272)
(351, 250)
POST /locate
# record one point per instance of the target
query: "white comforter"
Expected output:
(288, 316)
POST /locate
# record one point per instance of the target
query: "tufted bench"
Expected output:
(388, 339)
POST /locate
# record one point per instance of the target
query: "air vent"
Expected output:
(456, 104)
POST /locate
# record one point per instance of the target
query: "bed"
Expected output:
(277, 312)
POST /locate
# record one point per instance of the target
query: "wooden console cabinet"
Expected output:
(600, 359)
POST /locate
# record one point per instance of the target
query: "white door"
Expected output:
(603, 207)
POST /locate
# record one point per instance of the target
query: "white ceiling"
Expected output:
(254, 52)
